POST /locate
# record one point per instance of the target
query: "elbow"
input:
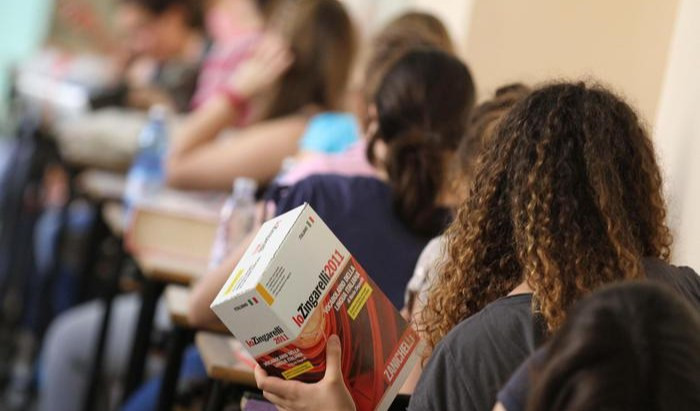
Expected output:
(196, 319)
(199, 314)
(175, 176)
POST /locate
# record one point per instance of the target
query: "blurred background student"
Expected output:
(332, 144)
(300, 67)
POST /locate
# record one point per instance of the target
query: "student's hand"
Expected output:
(328, 394)
(270, 59)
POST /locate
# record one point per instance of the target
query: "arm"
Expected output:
(255, 152)
(195, 150)
(206, 289)
(202, 126)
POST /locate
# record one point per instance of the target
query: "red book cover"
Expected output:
(297, 285)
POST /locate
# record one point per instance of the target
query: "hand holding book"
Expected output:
(330, 393)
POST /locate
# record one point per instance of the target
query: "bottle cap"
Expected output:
(158, 112)
(244, 186)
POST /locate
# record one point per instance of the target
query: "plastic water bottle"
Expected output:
(237, 219)
(146, 175)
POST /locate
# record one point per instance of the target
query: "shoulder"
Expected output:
(682, 279)
(429, 260)
(472, 362)
(504, 317)
(434, 250)
(330, 132)
(331, 190)
(514, 393)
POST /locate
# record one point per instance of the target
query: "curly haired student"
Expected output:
(567, 199)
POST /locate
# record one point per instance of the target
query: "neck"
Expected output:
(192, 47)
(522, 288)
(244, 14)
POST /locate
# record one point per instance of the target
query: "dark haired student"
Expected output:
(421, 110)
(170, 33)
(631, 346)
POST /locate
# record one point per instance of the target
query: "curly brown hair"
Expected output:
(567, 197)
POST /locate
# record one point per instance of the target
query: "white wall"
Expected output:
(623, 43)
(677, 134)
(370, 15)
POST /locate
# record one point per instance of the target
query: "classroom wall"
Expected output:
(23, 25)
(624, 43)
(457, 15)
(678, 134)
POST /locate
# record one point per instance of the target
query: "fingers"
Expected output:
(333, 358)
(288, 390)
(281, 403)
(273, 54)
(260, 376)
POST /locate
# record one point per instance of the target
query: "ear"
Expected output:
(372, 126)
(178, 12)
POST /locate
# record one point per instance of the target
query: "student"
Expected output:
(163, 50)
(235, 27)
(169, 34)
(628, 347)
(406, 32)
(567, 199)
(480, 130)
(422, 107)
(279, 84)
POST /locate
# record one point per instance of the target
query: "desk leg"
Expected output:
(178, 341)
(142, 338)
(96, 371)
(98, 233)
(217, 396)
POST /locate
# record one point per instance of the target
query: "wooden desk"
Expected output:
(224, 359)
(102, 185)
(177, 300)
(114, 215)
(159, 270)
(170, 269)
(169, 236)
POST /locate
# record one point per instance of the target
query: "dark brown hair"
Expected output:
(192, 8)
(323, 43)
(482, 124)
(633, 346)
(480, 130)
(406, 32)
(567, 198)
(422, 105)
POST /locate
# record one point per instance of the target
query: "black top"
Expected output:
(477, 357)
(360, 212)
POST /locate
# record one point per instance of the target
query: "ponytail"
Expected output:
(422, 107)
(416, 172)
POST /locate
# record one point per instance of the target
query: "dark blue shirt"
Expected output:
(360, 212)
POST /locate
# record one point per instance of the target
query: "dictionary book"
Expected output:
(295, 286)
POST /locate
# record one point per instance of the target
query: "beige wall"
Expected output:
(623, 43)
(678, 134)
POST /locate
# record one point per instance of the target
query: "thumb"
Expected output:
(333, 357)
